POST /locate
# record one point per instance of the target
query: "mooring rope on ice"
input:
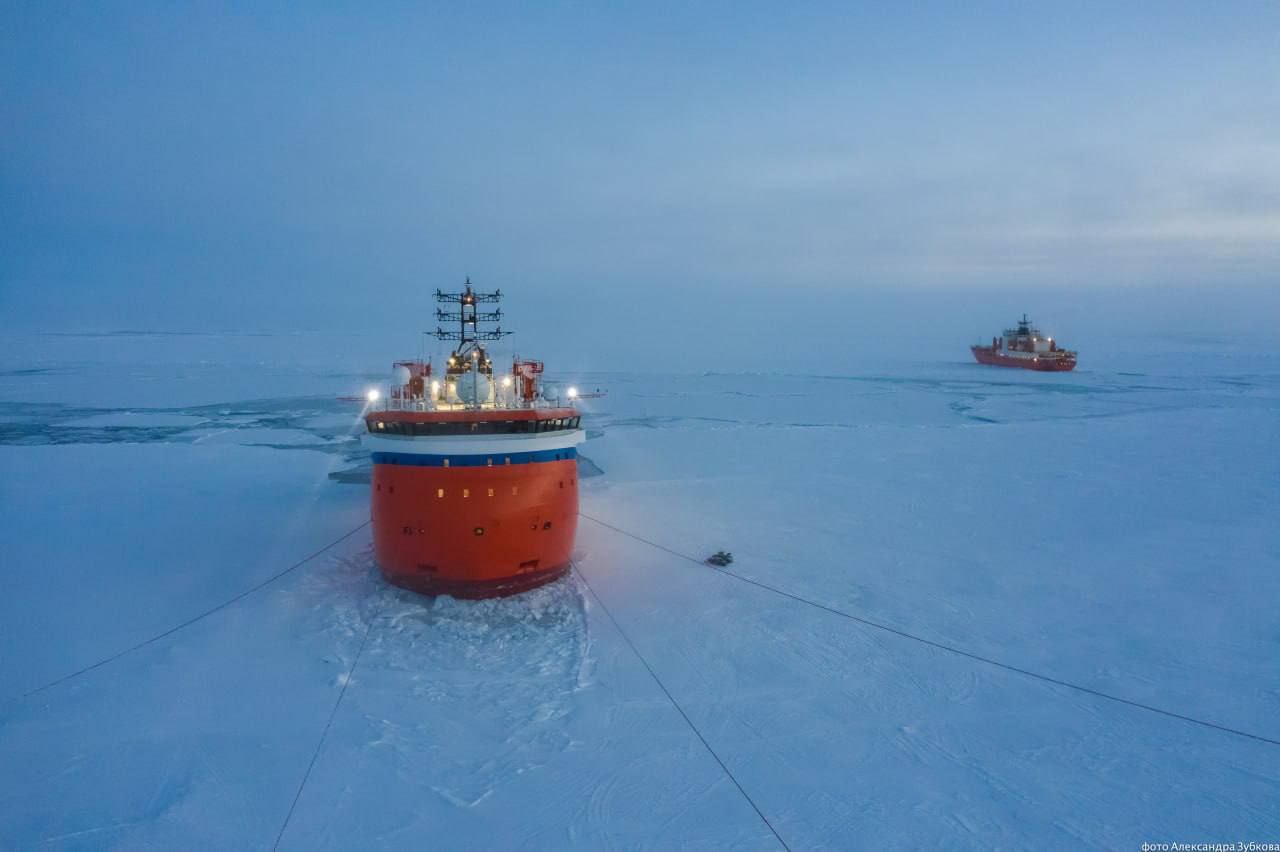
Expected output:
(195, 618)
(324, 735)
(941, 646)
(676, 704)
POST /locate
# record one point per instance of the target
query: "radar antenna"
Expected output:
(470, 333)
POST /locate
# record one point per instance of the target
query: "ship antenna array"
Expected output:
(470, 331)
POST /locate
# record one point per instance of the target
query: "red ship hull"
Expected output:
(1052, 362)
(474, 532)
(474, 503)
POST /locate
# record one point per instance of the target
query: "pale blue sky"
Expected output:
(308, 166)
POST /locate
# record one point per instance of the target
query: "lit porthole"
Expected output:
(490, 492)
(479, 530)
(439, 493)
(466, 492)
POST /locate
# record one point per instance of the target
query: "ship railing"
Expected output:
(423, 404)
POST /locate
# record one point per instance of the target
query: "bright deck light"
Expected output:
(506, 381)
(573, 393)
(372, 395)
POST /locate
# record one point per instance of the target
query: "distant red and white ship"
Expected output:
(475, 479)
(1027, 348)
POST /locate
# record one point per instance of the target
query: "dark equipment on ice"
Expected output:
(720, 558)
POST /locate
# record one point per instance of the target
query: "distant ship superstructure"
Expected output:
(475, 483)
(1026, 347)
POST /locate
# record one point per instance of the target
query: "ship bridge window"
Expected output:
(487, 427)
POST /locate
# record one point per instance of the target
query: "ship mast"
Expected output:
(468, 317)
(471, 333)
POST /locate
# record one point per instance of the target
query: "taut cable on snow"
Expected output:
(324, 735)
(676, 705)
(950, 649)
(195, 618)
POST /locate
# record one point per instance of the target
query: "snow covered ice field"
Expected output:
(1116, 527)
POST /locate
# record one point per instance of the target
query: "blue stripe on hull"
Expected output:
(482, 460)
